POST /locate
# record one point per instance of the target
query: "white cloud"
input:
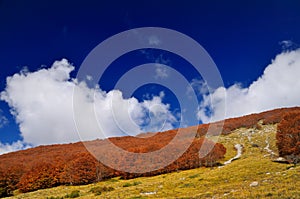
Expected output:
(198, 86)
(6, 148)
(3, 119)
(41, 102)
(288, 45)
(161, 71)
(279, 86)
(89, 78)
(159, 116)
(154, 40)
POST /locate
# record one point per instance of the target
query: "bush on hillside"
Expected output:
(288, 137)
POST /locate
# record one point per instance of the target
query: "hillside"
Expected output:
(234, 180)
(255, 133)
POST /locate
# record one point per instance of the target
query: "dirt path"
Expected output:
(239, 149)
(267, 148)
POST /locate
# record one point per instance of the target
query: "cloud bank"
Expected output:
(279, 86)
(41, 102)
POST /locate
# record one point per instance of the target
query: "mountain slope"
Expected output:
(256, 133)
(254, 175)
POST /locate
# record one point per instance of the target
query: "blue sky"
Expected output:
(241, 37)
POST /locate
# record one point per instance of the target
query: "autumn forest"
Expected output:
(72, 164)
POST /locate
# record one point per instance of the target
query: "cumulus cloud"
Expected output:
(42, 103)
(279, 86)
(160, 118)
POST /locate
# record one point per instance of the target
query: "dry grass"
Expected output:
(231, 181)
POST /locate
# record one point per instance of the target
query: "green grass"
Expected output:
(231, 181)
(73, 194)
(99, 190)
(127, 184)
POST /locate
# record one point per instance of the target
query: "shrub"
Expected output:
(137, 197)
(96, 190)
(73, 194)
(53, 197)
(127, 184)
(99, 190)
(194, 176)
(136, 183)
(187, 185)
(113, 180)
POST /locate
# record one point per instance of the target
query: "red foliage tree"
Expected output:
(288, 137)
(9, 179)
(81, 170)
(43, 175)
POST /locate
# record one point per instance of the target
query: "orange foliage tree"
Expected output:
(9, 179)
(288, 137)
(43, 175)
(81, 170)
